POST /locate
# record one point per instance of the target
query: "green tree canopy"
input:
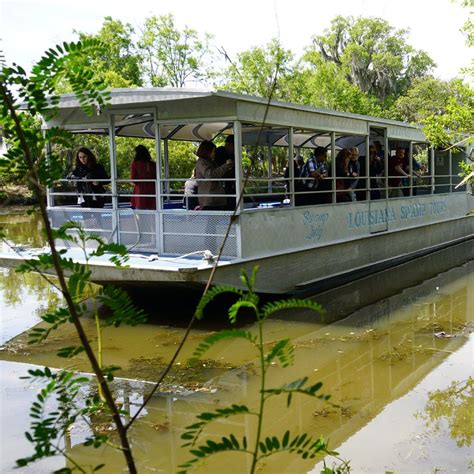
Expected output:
(429, 96)
(118, 62)
(173, 57)
(372, 55)
(254, 71)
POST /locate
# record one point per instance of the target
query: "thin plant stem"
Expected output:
(214, 267)
(34, 181)
(262, 396)
(99, 344)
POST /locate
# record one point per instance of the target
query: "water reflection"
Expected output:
(366, 361)
(454, 406)
(372, 362)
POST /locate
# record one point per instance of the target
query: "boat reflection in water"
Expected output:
(370, 362)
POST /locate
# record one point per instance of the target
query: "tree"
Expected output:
(432, 97)
(456, 125)
(255, 70)
(27, 144)
(372, 55)
(173, 57)
(117, 63)
(323, 85)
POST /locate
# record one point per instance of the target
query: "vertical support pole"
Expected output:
(269, 170)
(432, 171)
(239, 183)
(385, 162)
(367, 166)
(291, 167)
(113, 178)
(158, 187)
(410, 167)
(333, 167)
(49, 198)
(166, 184)
(450, 172)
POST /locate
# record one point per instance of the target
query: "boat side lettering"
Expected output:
(314, 224)
(364, 218)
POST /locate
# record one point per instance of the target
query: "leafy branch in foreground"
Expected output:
(303, 445)
(24, 100)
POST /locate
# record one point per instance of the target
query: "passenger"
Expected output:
(379, 150)
(190, 201)
(143, 167)
(91, 193)
(395, 172)
(207, 168)
(316, 170)
(342, 174)
(376, 171)
(415, 168)
(354, 171)
(224, 153)
(298, 164)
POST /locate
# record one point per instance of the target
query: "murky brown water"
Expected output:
(383, 364)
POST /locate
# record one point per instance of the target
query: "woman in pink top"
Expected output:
(143, 167)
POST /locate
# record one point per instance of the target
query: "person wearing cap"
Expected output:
(315, 170)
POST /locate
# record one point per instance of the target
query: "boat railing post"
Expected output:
(237, 126)
(450, 172)
(385, 159)
(238, 164)
(166, 186)
(432, 171)
(270, 170)
(333, 167)
(49, 198)
(410, 167)
(367, 167)
(158, 187)
(291, 167)
(113, 179)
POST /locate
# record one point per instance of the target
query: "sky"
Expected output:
(28, 27)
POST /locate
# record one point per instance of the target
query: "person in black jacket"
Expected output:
(87, 169)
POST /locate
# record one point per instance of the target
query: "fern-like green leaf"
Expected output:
(213, 293)
(249, 282)
(203, 451)
(270, 308)
(282, 350)
(193, 431)
(122, 307)
(298, 386)
(234, 309)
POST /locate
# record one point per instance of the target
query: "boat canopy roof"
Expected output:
(195, 115)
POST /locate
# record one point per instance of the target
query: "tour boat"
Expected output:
(296, 247)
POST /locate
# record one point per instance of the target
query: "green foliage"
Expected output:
(118, 61)
(373, 55)
(37, 91)
(26, 141)
(193, 431)
(255, 70)
(282, 351)
(49, 426)
(121, 306)
(173, 57)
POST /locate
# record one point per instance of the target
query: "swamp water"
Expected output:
(396, 362)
